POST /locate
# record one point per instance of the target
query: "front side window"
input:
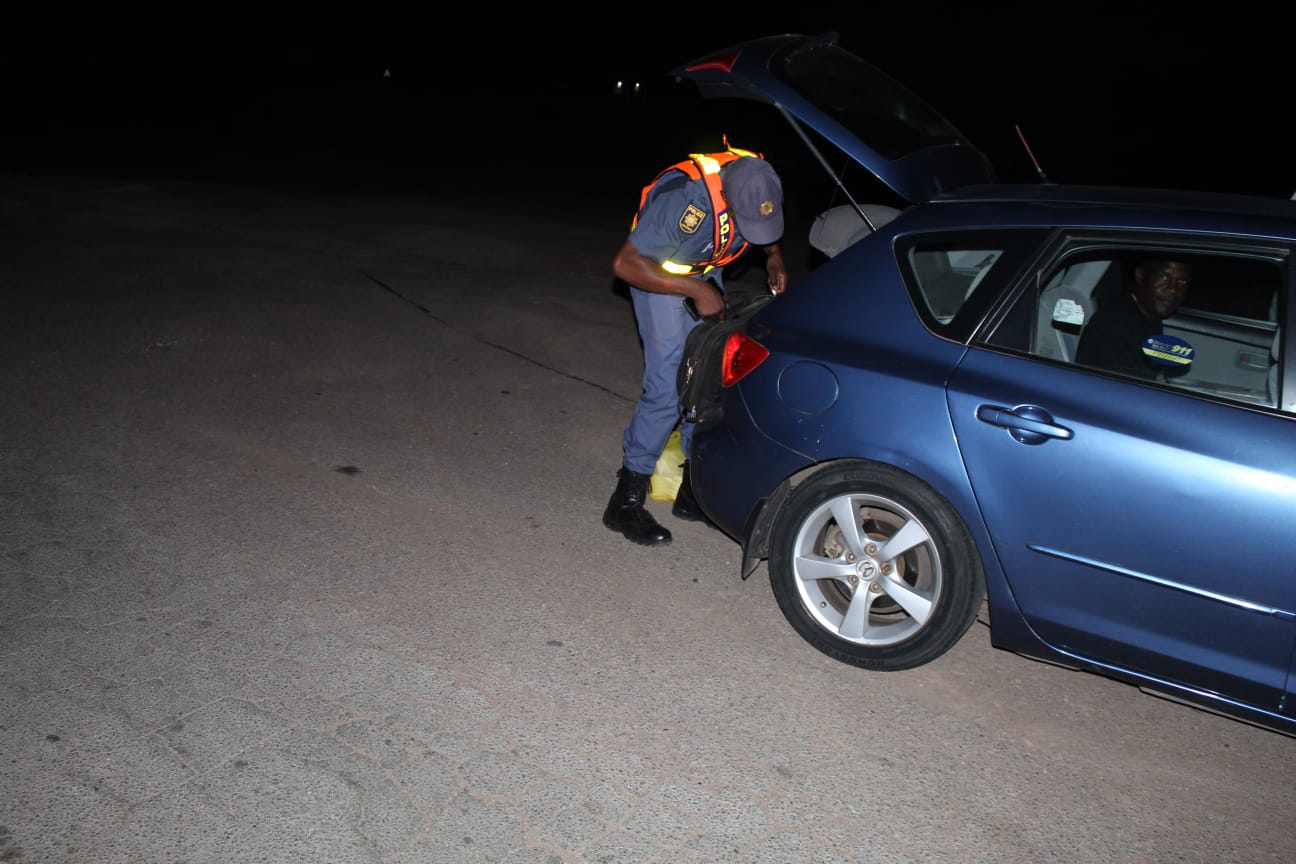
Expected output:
(1193, 318)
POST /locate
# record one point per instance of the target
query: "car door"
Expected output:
(1140, 527)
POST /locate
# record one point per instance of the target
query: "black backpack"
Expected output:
(698, 378)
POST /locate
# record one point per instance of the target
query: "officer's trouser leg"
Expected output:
(663, 326)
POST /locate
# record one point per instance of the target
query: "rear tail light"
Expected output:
(742, 354)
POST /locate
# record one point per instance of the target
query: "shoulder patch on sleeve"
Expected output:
(690, 219)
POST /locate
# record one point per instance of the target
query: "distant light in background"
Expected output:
(627, 90)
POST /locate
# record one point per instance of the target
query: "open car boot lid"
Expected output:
(873, 119)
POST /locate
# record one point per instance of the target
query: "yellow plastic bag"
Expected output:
(669, 472)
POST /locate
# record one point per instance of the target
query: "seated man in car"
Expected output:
(1115, 337)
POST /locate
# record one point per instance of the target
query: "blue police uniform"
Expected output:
(674, 224)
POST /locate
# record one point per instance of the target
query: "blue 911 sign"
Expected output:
(1167, 350)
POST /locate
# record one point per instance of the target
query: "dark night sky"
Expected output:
(1128, 93)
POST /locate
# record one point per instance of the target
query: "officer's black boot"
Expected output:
(625, 511)
(686, 506)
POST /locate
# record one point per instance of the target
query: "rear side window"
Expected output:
(947, 276)
(953, 278)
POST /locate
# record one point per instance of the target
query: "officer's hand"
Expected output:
(709, 302)
(778, 282)
(776, 272)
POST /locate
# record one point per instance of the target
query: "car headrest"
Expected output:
(838, 228)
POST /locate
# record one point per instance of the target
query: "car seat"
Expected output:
(839, 227)
(1065, 307)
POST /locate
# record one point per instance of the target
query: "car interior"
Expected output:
(1229, 317)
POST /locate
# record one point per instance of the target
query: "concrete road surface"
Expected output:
(301, 561)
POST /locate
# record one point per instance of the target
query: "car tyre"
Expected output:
(874, 568)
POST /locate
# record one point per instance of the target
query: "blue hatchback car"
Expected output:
(1070, 404)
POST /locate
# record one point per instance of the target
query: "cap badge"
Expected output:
(766, 208)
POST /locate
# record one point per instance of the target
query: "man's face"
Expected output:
(1160, 286)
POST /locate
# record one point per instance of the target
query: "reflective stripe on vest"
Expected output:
(705, 167)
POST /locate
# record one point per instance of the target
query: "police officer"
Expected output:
(695, 217)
